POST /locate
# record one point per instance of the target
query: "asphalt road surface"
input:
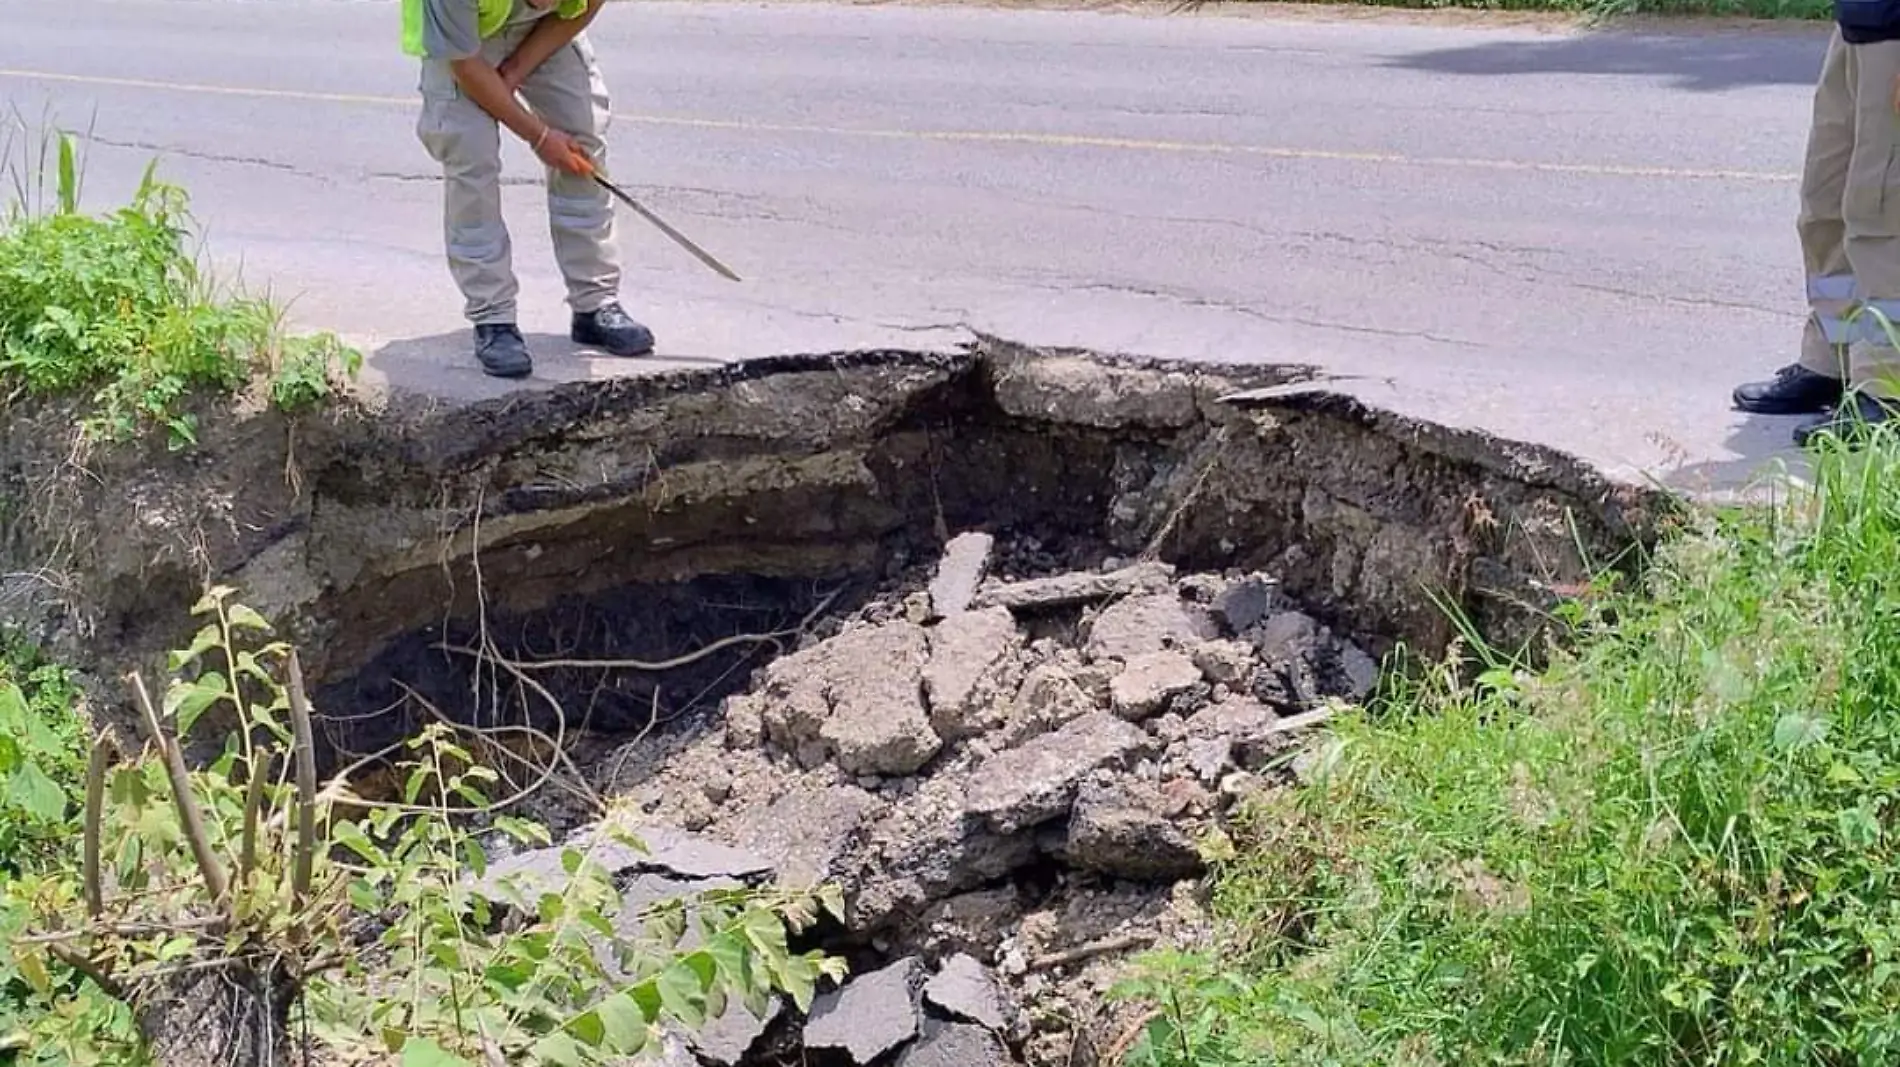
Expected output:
(1581, 239)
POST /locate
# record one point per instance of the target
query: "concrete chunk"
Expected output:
(1048, 700)
(873, 1014)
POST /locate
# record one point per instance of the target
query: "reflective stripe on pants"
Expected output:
(568, 92)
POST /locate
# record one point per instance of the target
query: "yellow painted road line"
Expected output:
(1044, 140)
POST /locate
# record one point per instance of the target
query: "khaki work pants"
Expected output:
(1849, 223)
(569, 94)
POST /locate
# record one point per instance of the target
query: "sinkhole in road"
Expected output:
(994, 638)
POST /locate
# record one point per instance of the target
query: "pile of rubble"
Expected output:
(1011, 779)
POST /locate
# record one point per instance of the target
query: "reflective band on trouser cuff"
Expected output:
(1866, 325)
(1831, 287)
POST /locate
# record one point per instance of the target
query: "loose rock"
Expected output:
(861, 695)
(807, 830)
(1250, 729)
(1360, 669)
(726, 1041)
(873, 1014)
(1210, 757)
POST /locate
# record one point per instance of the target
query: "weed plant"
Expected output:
(115, 308)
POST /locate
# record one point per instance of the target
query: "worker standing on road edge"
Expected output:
(1849, 227)
(476, 56)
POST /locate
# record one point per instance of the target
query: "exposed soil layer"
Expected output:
(994, 637)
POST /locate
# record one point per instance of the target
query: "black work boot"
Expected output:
(613, 330)
(1849, 423)
(501, 351)
(1794, 390)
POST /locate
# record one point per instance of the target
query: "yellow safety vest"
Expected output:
(493, 15)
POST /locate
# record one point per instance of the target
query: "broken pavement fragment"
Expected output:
(1025, 786)
(1153, 623)
(728, 1039)
(1244, 604)
(668, 853)
(873, 1014)
(1075, 590)
(1124, 830)
(965, 561)
(1048, 700)
(1144, 688)
(858, 695)
(956, 1045)
(966, 679)
(965, 989)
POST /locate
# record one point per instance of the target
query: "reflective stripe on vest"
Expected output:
(492, 15)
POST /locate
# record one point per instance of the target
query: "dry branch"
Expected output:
(189, 816)
(96, 764)
(253, 802)
(306, 758)
(84, 964)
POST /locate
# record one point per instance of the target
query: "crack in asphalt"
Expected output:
(212, 157)
(1256, 313)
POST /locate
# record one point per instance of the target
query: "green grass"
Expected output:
(114, 308)
(1675, 845)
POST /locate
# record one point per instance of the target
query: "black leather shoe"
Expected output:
(1794, 390)
(502, 352)
(613, 330)
(1849, 423)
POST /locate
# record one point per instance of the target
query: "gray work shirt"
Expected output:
(451, 29)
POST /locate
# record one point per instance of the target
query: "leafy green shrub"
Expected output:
(42, 758)
(42, 764)
(115, 306)
(1675, 846)
(368, 927)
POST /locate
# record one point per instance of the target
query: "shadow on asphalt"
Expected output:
(1763, 452)
(1699, 63)
(443, 366)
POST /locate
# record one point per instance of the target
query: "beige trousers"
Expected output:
(569, 94)
(1849, 223)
